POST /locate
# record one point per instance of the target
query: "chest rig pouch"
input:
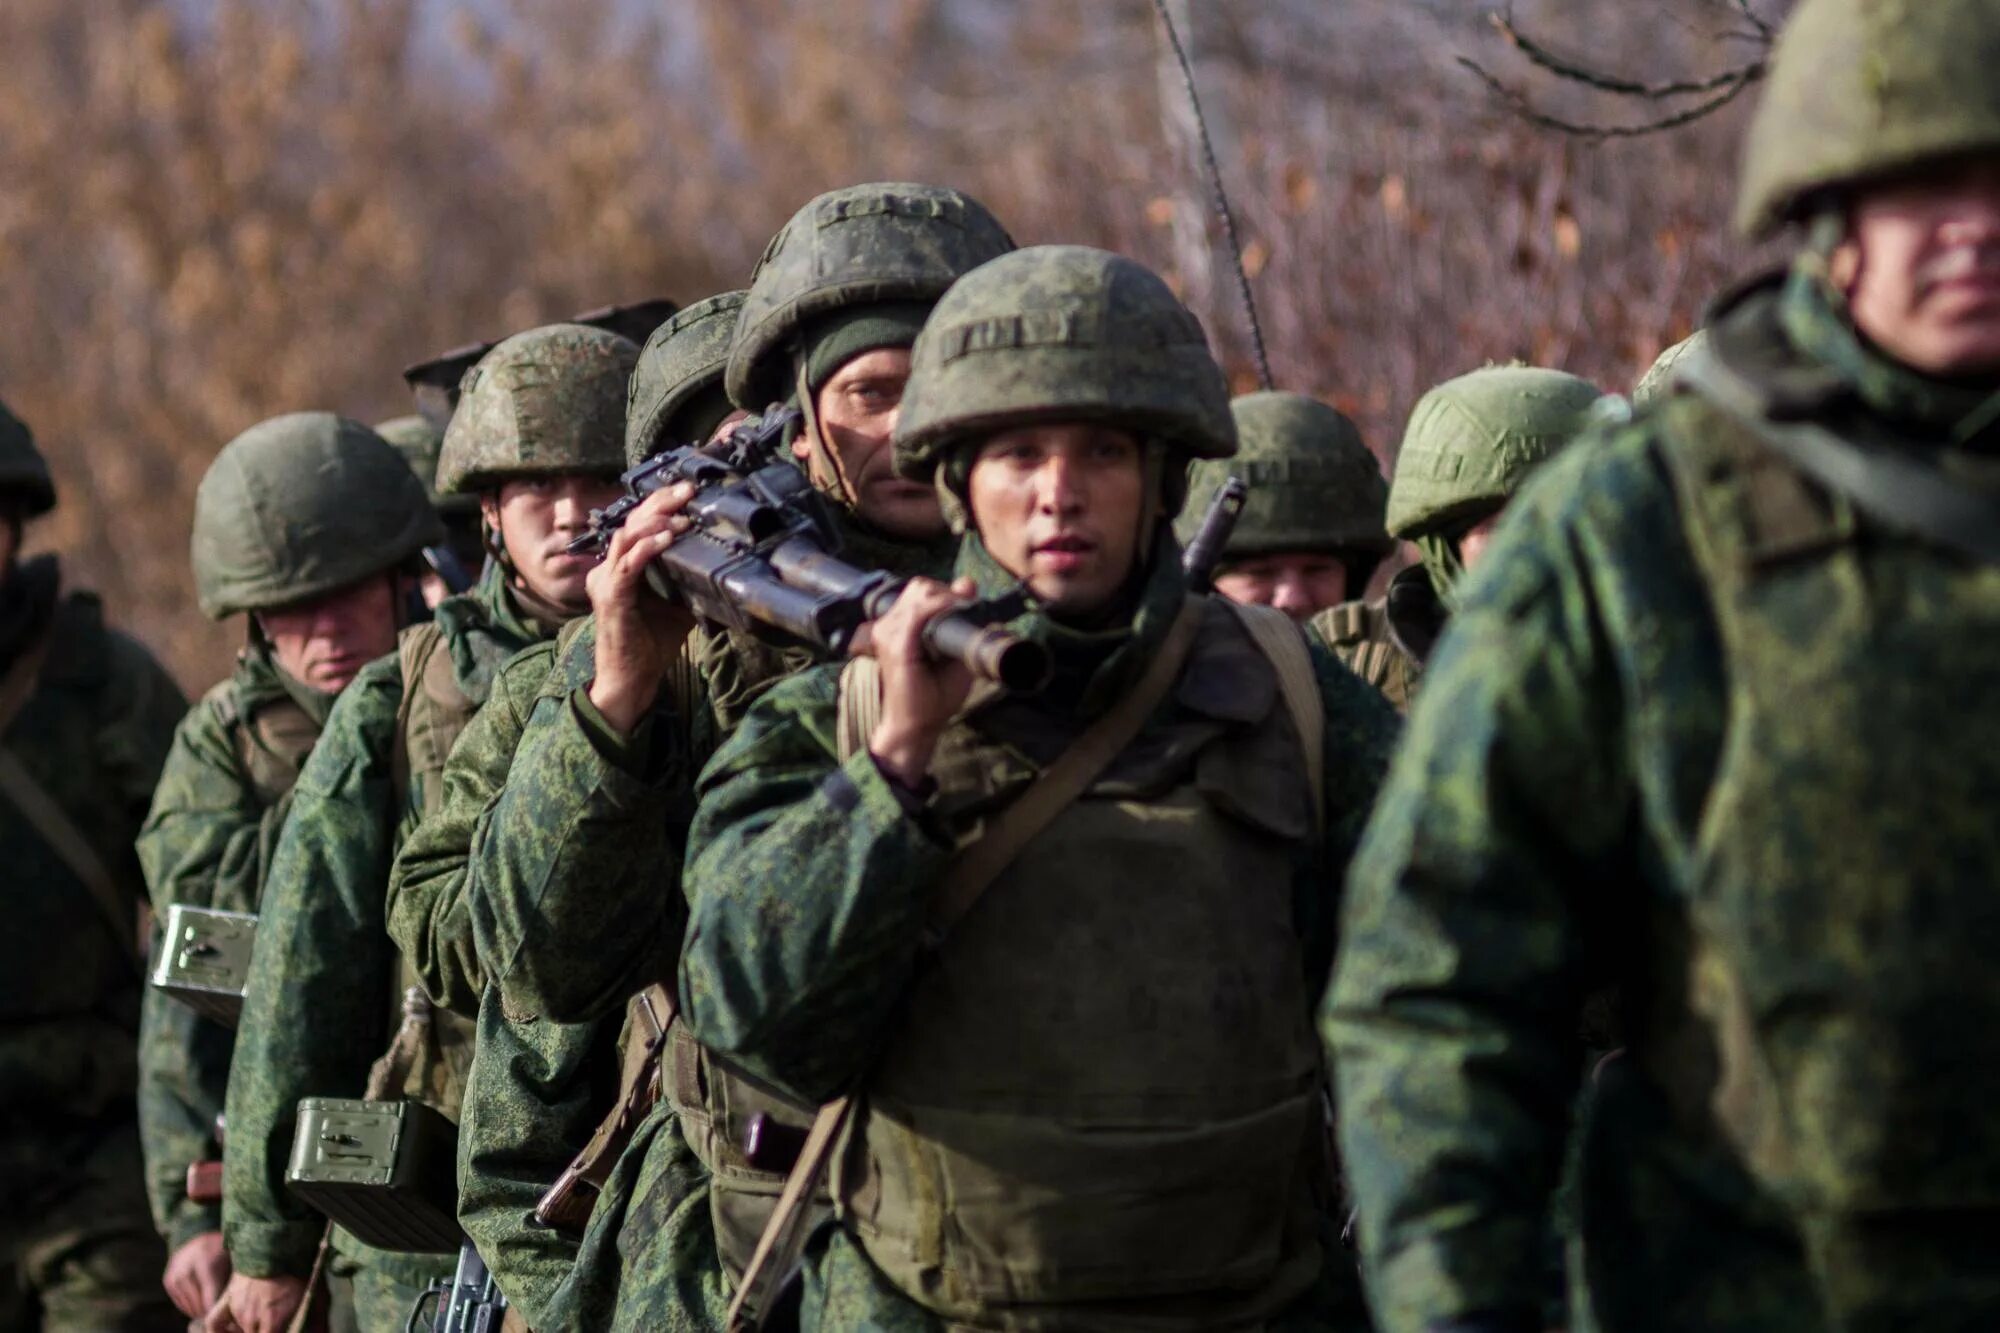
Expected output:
(1106, 1087)
(1843, 898)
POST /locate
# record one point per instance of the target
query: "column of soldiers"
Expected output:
(1638, 982)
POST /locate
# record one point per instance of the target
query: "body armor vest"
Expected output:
(1842, 885)
(1359, 635)
(271, 740)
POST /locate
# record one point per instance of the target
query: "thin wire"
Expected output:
(1219, 196)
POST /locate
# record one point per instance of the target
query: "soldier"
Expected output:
(575, 889)
(453, 564)
(537, 436)
(1088, 1097)
(308, 526)
(1713, 721)
(1470, 444)
(86, 718)
(536, 1089)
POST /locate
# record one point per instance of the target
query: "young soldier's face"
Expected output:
(1921, 268)
(857, 410)
(325, 641)
(537, 518)
(1059, 507)
(1299, 583)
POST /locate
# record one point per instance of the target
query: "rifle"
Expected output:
(1217, 522)
(470, 1303)
(762, 556)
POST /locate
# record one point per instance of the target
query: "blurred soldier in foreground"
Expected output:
(1085, 1090)
(86, 718)
(1470, 444)
(1310, 536)
(1716, 717)
(310, 527)
(536, 1088)
(576, 885)
(537, 436)
(452, 565)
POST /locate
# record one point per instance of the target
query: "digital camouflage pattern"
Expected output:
(1314, 485)
(324, 970)
(681, 363)
(785, 831)
(420, 441)
(298, 506)
(1609, 778)
(24, 473)
(1864, 89)
(1359, 634)
(76, 1244)
(222, 798)
(542, 403)
(1061, 333)
(860, 245)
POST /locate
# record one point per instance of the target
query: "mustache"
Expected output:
(1960, 262)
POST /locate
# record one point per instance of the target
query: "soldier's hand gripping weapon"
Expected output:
(762, 556)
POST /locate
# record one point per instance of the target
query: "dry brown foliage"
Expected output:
(213, 212)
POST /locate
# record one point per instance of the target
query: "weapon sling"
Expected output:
(969, 876)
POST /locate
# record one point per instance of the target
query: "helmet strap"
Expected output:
(822, 453)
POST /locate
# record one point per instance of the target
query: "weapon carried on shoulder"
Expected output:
(470, 1303)
(762, 556)
(1217, 522)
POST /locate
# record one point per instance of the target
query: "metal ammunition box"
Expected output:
(385, 1171)
(205, 960)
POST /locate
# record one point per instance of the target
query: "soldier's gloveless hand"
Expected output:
(639, 633)
(196, 1274)
(263, 1305)
(920, 694)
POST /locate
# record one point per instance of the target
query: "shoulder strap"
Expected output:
(272, 741)
(432, 697)
(69, 843)
(968, 876)
(1279, 639)
(1895, 487)
(860, 706)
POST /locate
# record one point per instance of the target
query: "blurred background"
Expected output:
(212, 211)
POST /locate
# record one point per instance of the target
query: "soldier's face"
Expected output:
(1059, 507)
(1473, 541)
(324, 641)
(1921, 268)
(537, 518)
(857, 410)
(1299, 583)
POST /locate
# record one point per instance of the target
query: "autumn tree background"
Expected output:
(212, 211)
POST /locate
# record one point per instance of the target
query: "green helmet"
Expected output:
(1659, 377)
(23, 471)
(680, 366)
(548, 401)
(1861, 89)
(1061, 333)
(419, 441)
(1471, 442)
(864, 245)
(300, 505)
(1314, 486)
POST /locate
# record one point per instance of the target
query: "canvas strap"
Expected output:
(969, 876)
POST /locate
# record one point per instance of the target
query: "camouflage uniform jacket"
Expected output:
(92, 735)
(1359, 635)
(844, 860)
(324, 974)
(208, 843)
(1545, 829)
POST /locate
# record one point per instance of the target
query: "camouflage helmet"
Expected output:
(544, 402)
(300, 505)
(1314, 486)
(420, 441)
(1472, 440)
(1659, 376)
(863, 245)
(683, 358)
(1862, 89)
(24, 473)
(1061, 333)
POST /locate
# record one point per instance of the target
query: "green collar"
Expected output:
(486, 626)
(1817, 322)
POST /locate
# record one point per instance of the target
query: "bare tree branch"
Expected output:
(1741, 79)
(1544, 58)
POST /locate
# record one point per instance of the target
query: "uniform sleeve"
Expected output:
(183, 1077)
(807, 881)
(429, 916)
(321, 974)
(1451, 1020)
(576, 866)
